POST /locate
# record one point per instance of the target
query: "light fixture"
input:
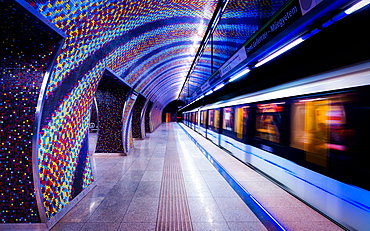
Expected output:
(201, 97)
(208, 93)
(279, 52)
(218, 87)
(357, 6)
(240, 74)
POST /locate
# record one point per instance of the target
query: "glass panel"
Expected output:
(228, 119)
(320, 127)
(204, 118)
(217, 119)
(211, 118)
(241, 117)
(268, 121)
(94, 127)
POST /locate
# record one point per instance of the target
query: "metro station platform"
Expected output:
(171, 181)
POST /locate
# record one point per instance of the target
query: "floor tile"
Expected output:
(152, 175)
(70, 226)
(204, 209)
(148, 189)
(128, 190)
(246, 226)
(142, 209)
(83, 210)
(234, 210)
(210, 226)
(137, 226)
(101, 226)
(110, 210)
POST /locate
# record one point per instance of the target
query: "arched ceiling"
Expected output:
(239, 21)
(150, 44)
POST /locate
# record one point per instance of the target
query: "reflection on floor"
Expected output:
(166, 183)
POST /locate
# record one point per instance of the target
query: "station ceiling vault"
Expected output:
(152, 45)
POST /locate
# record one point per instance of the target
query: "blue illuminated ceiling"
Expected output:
(239, 21)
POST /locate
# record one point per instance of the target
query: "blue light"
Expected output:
(240, 74)
(279, 52)
(218, 87)
(357, 6)
(210, 92)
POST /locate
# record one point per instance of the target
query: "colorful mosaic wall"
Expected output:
(126, 34)
(110, 105)
(64, 160)
(25, 53)
(132, 38)
(238, 23)
(136, 117)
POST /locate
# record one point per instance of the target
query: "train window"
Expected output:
(203, 118)
(320, 127)
(213, 119)
(241, 119)
(269, 121)
(217, 119)
(211, 116)
(228, 119)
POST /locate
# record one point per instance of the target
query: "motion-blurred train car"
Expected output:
(310, 136)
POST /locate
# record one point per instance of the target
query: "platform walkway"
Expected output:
(167, 183)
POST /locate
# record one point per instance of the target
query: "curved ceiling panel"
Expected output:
(150, 44)
(239, 21)
(158, 94)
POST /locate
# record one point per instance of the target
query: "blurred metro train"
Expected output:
(311, 136)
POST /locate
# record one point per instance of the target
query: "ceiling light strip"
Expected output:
(221, 5)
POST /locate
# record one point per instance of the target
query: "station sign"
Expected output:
(291, 13)
(237, 58)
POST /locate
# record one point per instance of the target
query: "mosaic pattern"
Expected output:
(118, 35)
(136, 39)
(64, 161)
(238, 23)
(23, 63)
(114, 27)
(63, 149)
(110, 105)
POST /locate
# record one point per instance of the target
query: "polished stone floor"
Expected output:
(167, 183)
(127, 195)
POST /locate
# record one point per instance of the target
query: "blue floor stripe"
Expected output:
(261, 213)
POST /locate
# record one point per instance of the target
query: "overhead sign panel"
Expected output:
(237, 58)
(307, 5)
(280, 22)
(286, 17)
(205, 86)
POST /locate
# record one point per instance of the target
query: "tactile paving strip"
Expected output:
(173, 210)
